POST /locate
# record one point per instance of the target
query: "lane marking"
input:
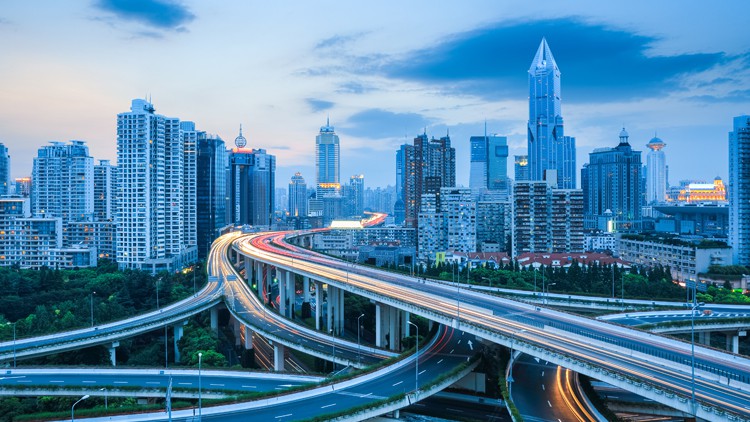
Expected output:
(185, 383)
(543, 388)
(153, 382)
(328, 405)
(283, 416)
(452, 350)
(440, 361)
(216, 385)
(56, 381)
(89, 382)
(423, 371)
(550, 404)
(249, 386)
(120, 382)
(397, 383)
(23, 381)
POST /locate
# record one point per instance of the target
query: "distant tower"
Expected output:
(521, 167)
(252, 175)
(656, 172)
(739, 190)
(5, 183)
(548, 148)
(297, 196)
(211, 190)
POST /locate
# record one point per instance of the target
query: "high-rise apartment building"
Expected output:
(548, 148)
(105, 187)
(739, 190)
(521, 168)
(656, 172)
(189, 183)
(252, 175)
(150, 198)
(5, 182)
(429, 166)
(23, 186)
(612, 181)
(448, 224)
(493, 224)
(546, 219)
(211, 190)
(297, 196)
(63, 182)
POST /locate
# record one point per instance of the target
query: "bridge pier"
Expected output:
(278, 357)
(704, 337)
(318, 303)
(282, 291)
(237, 332)
(113, 352)
(178, 333)
(249, 270)
(248, 336)
(215, 319)
(733, 340)
(260, 278)
(335, 319)
(290, 294)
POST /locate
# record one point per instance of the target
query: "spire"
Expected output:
(328, 121)
(240, 140)
(543, 58)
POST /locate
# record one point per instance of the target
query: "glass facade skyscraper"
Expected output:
(739, 190)
(656, 172)
(548, 147)
(211, 190)
(297, 196)
(327, 162)
(252, 175)
(5, 182)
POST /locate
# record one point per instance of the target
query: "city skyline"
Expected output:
(380, 81)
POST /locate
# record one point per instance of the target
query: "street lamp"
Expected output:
(510, 361)
(535, 271)
(692, 348)
(72, 409)
(416, 368)
(105, 397)
(92, 308)
(359, 347)
(200, 401)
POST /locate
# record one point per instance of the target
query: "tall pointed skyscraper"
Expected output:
(656, 172)
(548, 148)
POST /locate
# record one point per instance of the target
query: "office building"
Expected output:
(429, 166)
(521, 168)
(656, 172)
(297, 196)
(63, 182)
(739, 190)
(355, 197)
(612, 195)
(489, 163)
(252, 187)
(150, 198)
(211, 190)
(328, 200)
(546, 219)
(5, 182)
(548, 148)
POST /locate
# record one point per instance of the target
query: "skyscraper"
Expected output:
(447, 225)
(613, 187)
(656, 172)
(189, 182)
(489, 163)
(63, 182)
(355, 196)
(297, 196)
(478, 164)
(211, 190)
(548, 148)
(105, 186)
(739, 190)
(429, 166)
(150, 180)
(327, 162)
(252, 175)
(521, 167)
(5, 183)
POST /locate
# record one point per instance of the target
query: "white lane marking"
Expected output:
(550, 404)
(283, 416)
(120, 382)
(543, 388)
(249, 386)
(217, 385)
(23, 381)
(454, 410)
(153, 382)
(56, 381)
(89, 382)
(423, 371)
(185, 383)
(440, 360)
(459, 342)
(542, 373)
(397, 383)
(452, 350)
(328, 405)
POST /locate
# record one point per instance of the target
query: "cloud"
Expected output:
(378, 124)
(353, 87)
(596, 61)
(337, 41)
(159, 14)
(737, 96)
(319, 105)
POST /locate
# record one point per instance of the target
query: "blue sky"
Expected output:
(384, 72)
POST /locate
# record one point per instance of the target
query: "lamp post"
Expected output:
(105, 397)
(359, 347)
(72, 409)
(92, 308)
(416, 368)
(622, 291)
(535, 271)
(613, 281)
(692, 348)
(510, 361)
(548, 286)
(200, 401)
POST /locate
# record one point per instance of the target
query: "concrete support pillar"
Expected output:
(306, 289)
(290, 293)
(238, 257)
(330, 307)
(237, 332)
(278, 357)
(282, 291)
(249, 271)
(113, 352)
(178, 332)
(318, 303)
(405, 327)
(381, 323)
(340, 312)
(705, 338)
(393, 329)
(260, 277)
(215, 319)
(248, 335)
